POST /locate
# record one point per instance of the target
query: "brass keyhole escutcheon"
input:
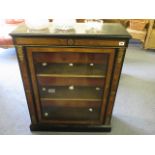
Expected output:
(70, 41)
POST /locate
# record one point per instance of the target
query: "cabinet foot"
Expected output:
(67, 128)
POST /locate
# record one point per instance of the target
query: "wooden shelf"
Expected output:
(69, 99)
(71, 75)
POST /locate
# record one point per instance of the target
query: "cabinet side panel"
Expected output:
(114, 84)
(26, 83)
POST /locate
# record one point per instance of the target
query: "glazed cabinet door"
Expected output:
(70, 85)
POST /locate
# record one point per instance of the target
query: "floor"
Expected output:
(134, 111)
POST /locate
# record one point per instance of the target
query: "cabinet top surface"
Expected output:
(107, 30)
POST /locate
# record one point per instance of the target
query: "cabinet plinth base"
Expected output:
(73, 128)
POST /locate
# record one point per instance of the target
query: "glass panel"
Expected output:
(71, 85)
